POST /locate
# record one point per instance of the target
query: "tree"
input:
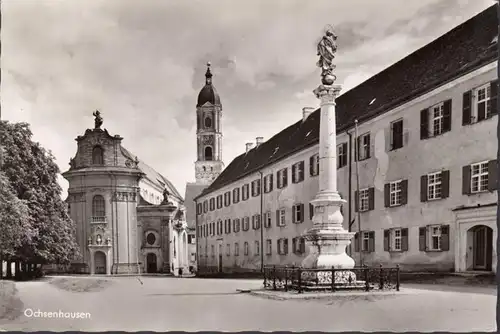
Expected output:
(32, 173)
(14, 220)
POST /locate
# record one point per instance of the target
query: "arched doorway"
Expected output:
(481, 246)
(208, 153)
(151, 266)
(100, 262)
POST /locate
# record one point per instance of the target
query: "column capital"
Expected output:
(327, 94)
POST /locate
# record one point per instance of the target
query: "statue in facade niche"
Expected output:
(327, 48)
(98, 119)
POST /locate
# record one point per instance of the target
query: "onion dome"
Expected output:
(208, 92)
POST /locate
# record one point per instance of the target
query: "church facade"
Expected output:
(129, 218)
(425, 147)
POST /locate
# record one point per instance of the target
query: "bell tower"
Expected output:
(209, 163)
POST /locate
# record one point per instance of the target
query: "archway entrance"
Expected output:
(151, 266)
(100, 262)
(482, 247)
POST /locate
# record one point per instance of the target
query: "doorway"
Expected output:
(151, 266)
(482, 247)
(100, 263)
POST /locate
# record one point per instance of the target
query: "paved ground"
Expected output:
(190, 304)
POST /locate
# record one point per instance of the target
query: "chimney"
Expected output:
(258, 141)
(306, 111)
(249, 146)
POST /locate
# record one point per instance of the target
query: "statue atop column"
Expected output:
(98, 119)
(166, 194)
(327, 47)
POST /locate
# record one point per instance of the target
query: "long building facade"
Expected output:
(425, 148)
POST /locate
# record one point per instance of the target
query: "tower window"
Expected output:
(208, 122)
(208, 153)
(98, 206)
(97, 156)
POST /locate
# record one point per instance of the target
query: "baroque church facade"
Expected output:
(129, 218)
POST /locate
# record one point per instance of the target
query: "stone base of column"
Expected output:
(125, 268)
(327, 239)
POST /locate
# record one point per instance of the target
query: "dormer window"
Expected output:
(208, 122)
(97, 155)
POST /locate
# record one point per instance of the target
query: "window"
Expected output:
(228, 249)
(213, 251)
(256, 222)
(299, 245)
(280, 217)
(269, 247)
(314, 165)
(212, 204)
(236, 195)
(245, 190)
(434, 186)
(483, 104)
(97, 156)
(298, 213)
(191, 239)
(364, 241)
(236, 249)
(219, 201)
(363, 146)
(434, 238)
(479, 177)
(98, 207)
(395, 193)
(363, 200)
(267, 219)
(257, 248)
(151, 239)
(341, 155)
(227, 198)
(246, 223)
(208, 122)
(397, 134)
(205, 206)
(236, 225)
(245, 248)
(396, 240)
(268, 183)
(298, 172)
(435, 120)
(283, 246)
(227, 226)
(199, 208)
(282, 177)
(255, 188)
(480, 103)
(208, 153)
(219, 227)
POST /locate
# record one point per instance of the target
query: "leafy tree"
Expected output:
(32, 173)
(14, 220)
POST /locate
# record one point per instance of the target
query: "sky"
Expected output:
(142, 64)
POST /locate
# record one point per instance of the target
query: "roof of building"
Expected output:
(208, 93)
(154, 176)
(463, 49)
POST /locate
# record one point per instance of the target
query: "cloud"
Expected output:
(143, 66)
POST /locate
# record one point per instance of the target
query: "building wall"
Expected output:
(451, 151)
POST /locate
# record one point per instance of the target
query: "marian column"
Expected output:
(327, 239)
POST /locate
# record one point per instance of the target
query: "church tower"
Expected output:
(209, 164)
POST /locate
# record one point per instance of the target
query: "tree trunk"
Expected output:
(9, 270)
